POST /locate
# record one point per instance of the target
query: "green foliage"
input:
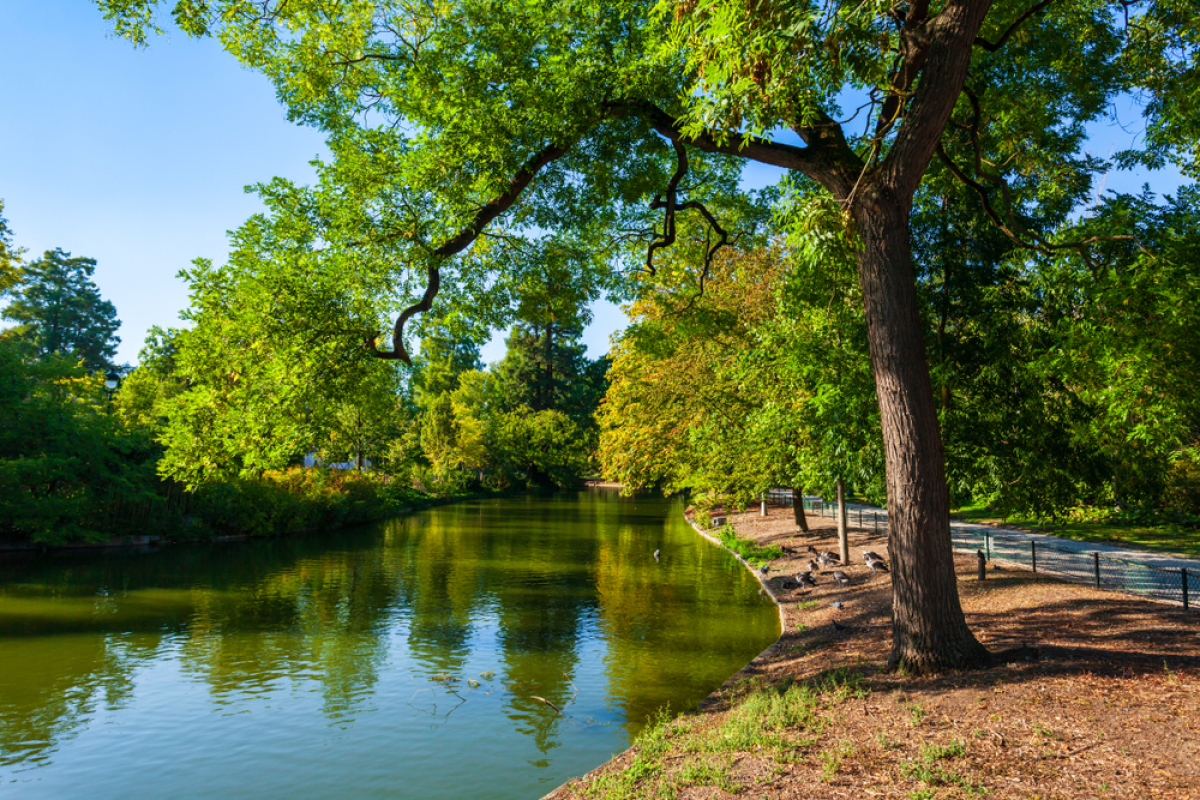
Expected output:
(1049, 394)
(58, 309)
(10, 257)
(258, 383)
(746, 549)
(63, 455)
(293, 500)
(763, 381)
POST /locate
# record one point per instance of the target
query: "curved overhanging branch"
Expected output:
(671, 204)
(461, 241)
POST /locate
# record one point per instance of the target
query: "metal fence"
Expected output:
(1172, 584)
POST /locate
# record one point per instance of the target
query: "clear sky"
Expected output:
(139, 158)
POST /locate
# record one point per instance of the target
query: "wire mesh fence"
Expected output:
(1172, 584)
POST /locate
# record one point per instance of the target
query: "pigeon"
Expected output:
(876, 566)
(811, 549)
(835, 604)
(828, 559)
(839, 627)
(841, 577)
(871, 555)
(813, 566)
(764, 569)
(806, 579)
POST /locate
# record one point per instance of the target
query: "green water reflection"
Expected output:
(338, 665)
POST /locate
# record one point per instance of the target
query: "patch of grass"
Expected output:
(747, 549)
(916, 713)
(928, 771)
(831, 760)
(763, 716)
(703, 773)
(934, 752)
(805, 605)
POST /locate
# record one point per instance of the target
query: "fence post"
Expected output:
(1096, 559)
(982, 565)
(875, 517)
(987, 544)
(1033, 553)
(1184, 583)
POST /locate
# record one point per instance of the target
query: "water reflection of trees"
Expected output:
(517, 585)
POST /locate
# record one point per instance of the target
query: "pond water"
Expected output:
(398, 660)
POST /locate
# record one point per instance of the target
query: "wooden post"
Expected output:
(1184, 583)
(982, 565)
(843, 539)
(798, 509)
(1096, 559)
(1033, 553)
(763, 512)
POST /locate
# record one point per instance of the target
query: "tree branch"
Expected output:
(822, 160)
(951, 35)
(1004, 37)
(461, 241)
(1038, 243)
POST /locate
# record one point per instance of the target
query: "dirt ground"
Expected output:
(1111, 707)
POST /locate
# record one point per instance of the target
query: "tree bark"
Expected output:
(798, 509)
(929, 631)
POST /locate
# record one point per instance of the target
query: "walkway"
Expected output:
(1170, 578)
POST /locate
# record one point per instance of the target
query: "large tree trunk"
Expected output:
(929, 630)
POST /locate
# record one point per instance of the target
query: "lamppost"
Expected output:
(111, 381)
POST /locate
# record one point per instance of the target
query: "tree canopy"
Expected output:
(465, 136)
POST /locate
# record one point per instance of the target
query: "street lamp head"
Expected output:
(112, 380)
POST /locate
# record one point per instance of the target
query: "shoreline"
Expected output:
(717, 694)
(1109, 704)
(148, 543)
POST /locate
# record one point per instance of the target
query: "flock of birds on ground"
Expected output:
(826, 560)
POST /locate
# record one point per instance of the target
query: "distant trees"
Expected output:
(1064, 386)
(530, 418)
(10, 256)
(58, 309)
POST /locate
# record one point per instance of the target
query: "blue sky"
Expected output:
(139, 158)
